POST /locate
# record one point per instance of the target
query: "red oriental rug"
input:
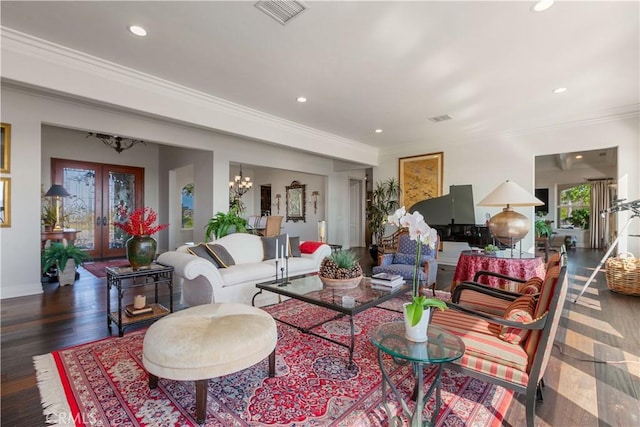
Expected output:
(104, 383)
(97, 268)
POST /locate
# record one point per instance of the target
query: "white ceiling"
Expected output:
(491, 66)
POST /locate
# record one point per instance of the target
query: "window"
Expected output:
(573, 207)
(187, 206)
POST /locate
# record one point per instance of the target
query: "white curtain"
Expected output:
(598, 225)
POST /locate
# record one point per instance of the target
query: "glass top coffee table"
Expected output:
(442, 346)
(346, 302)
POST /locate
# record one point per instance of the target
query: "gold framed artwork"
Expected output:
(420, 178)
(5, 202)
(295, 202)
(5, 150)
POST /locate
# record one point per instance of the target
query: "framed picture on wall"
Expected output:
(420, 178)
(5, 202)
(5, 149)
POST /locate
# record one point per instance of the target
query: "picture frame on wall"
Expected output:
(420, 178)
(5, 149)
(5, 202)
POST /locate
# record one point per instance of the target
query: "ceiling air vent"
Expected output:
(438, 119)
(282, 11)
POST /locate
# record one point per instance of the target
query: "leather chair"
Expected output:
(402, 262)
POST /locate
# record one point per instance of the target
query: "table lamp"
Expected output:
(56, 191)
(509, 227)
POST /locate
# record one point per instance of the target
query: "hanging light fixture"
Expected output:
(118, 143)
(240, 185)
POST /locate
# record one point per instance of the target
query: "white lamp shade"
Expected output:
(510, 194)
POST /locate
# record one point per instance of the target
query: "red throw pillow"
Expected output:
(309, 247)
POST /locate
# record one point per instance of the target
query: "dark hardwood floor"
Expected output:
(593, 377)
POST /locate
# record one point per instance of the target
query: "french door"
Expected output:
(100, 195)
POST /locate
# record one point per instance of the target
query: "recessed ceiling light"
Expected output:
(541, 5)
(378, 131)
(301, 99)
(579, 156)
(560, 90)
(138, 31)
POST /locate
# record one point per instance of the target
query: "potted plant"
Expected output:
(417, 312)
(66, 257)
(225, 223)
(340, 270)
(141, 247)
(491, 249)
(384, 201)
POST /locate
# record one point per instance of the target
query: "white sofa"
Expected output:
(203, 283)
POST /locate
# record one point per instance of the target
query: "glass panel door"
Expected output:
(100, 195)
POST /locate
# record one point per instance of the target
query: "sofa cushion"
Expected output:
(221, 255)
(531, 286)
(251, 271)
(202, 251)
(309, 247)
(243, 247)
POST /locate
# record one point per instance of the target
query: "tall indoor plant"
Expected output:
(141, 247)
(384, 200)
(414, 311)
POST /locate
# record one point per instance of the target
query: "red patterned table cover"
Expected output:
(471, 262)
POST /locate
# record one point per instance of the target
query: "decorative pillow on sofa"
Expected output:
(221, 255)
(269, 246)
(309, 247)
(294, 247)
(201, 250)
(520, 310)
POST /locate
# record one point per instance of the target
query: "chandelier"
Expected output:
(240, 185)
(118, 143)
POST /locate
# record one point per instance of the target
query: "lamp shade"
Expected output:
(510, 194)
(57, 190)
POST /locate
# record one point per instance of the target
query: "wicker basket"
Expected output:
(623, 274)
(341, 283)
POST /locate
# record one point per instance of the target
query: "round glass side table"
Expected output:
(441, 347)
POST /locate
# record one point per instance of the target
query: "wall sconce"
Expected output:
(278, 197)
(322, 231)
(315, 195)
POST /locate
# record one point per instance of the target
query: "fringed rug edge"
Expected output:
(52, 393)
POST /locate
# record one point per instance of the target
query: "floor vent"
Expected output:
(282, 11)
(438, 119)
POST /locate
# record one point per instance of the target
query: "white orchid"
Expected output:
(422, 234)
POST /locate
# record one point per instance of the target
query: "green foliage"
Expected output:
(220, 225)
(543, 229)
(344, 259)
(416, 307)
(580, 194)
(491, 248)
(579, 218)
(59, 253)
(384, 202)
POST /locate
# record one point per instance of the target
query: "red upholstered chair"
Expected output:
(510, 349)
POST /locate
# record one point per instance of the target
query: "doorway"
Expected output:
(100, 195)
(265, 200)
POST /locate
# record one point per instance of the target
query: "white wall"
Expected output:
(210, 153)
(485, 164)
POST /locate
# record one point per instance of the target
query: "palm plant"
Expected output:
(384, 201)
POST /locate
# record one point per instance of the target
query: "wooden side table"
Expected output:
(125, 278)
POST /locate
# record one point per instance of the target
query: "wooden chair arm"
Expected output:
(483, 289)
(537, 324)
(498, 275)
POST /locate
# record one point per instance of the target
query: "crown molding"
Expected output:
(212, 112)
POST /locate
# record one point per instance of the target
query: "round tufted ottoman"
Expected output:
(208, 341)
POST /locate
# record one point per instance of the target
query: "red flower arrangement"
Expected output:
(140, 223)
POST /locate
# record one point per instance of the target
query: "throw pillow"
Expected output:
(294, 247)
(531, 286)
(221, 255)
(309, 247)
(269, 246)
(520, 310)
(202, 251)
